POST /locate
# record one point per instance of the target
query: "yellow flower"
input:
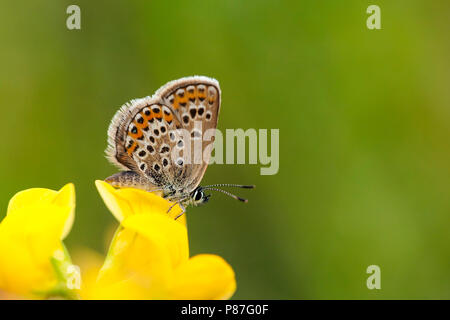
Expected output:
(33, 260)
(149, 255)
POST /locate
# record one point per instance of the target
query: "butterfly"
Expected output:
(151, 141)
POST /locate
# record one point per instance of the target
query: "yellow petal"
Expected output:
(164, 232)
(129, 289)
(25, 258)
(142, 257)
(134, 259)
(66, 198)
(30, 235)
(29, 198)
(206, 277)
(130, 201)
(25, 263)
(90, 263)
(63, 200)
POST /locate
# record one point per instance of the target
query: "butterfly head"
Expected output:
(199, 197)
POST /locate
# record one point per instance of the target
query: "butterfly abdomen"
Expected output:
(128, 179)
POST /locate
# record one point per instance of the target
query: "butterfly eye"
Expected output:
(198, 196)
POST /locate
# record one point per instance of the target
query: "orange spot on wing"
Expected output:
(132, 148)
(142, 125)
(138, 133)
(191, 95)
(183, 100)
(201, 95)
(168, 118)
(177, 100)
(149, 117)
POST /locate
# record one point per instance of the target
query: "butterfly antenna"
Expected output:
(227, 193)
(231, 185)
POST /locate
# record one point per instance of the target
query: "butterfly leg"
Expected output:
(173, 206)
(182, 212)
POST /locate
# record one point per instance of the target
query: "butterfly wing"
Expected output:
(139, 141)
(144, 135)
(195, 102)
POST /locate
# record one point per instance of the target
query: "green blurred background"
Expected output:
(363, 115)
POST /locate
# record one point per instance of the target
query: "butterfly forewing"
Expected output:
(195, 102)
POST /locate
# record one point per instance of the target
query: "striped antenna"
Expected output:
(228, 194)
(231, 185)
